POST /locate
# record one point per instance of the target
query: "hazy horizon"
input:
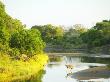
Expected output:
(58, 12)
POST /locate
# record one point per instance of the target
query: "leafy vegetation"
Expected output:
(77, 37)
(15, 40)
(27, 41)
(50, 34)
(60, 38)
(19, 69)
(21, 49)
(98, 36)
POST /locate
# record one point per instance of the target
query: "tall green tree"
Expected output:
(104, 26)
(27, 41)
(50, 34)
(93, 38)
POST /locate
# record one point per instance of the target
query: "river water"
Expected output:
(56, 71)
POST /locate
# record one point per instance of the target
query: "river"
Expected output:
(56, 71)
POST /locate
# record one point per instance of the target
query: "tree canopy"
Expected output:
(15, 39)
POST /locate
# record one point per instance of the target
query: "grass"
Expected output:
(18, 69)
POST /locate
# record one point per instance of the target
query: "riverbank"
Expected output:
(92, 73)
(105, 49)
(11, 70)
(80, 54)
(69, 54)
(102, 49)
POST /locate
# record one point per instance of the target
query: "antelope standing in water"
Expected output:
(69, 69)
(69, 66)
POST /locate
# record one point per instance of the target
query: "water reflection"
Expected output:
(81, 63)
(53, 58)
(51, 65)
(38, 77)
(54, 61)
(95, 60)
(56, 70)
(35, 78)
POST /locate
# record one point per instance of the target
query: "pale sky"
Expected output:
(58, 12)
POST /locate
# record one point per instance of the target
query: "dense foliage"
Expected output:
(50, 33)
(76, 36)
(15, 39)
(20, 49)
(11, 70)
(27, 41)
(61, 38)
(99, 35)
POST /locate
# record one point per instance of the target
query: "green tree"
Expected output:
(4, 40)
(4, 35)
(104, 26)
(2, 7)
(79, 28)
(93, 38)
(50, 34)
(27, 41)
(8, 22)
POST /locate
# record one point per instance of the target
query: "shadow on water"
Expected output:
(54, 61)
(35, 78)
(95, 60)
(88, 60)
(53, 58)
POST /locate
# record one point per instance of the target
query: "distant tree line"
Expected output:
(15, 39)
(77, 36)
(98, 35)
